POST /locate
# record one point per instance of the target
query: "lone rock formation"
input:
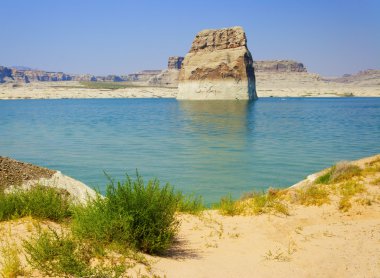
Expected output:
(218, 66)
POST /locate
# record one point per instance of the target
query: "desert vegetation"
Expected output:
(345, 181)
(40, 202)
(99, 238)
(111, 234)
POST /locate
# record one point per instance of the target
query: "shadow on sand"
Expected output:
(180, 251)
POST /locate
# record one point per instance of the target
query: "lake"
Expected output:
(210, 148)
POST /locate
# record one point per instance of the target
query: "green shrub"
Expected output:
(324, 179)
(132, 215)
(227, 206)
(39, 201)
(339, 172)
(59, 254)
(190, 204)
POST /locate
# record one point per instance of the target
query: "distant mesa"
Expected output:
(144, 75)
(279, 66)
(218, 66)
(168, 77)
(175, 62)
(5, 74)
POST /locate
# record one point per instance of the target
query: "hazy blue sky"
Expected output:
(330, 37)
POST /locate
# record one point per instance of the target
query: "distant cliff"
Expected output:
(5, 74)
(279, 66)
(169, 77)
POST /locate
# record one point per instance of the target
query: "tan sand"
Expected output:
(311, 242)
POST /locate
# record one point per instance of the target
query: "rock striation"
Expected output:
(279, 66)
(218, 66)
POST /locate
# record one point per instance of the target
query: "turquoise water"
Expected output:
(210, 148)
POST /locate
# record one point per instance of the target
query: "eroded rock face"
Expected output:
(218, 66)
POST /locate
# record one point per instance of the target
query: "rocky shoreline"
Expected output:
(15, 175)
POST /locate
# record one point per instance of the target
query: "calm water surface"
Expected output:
(210, 148)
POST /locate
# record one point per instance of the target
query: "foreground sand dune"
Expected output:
(312, 241)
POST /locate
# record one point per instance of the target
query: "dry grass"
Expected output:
(314, 195)
(376, 182)
(10, 261)
(255, 203)
(339, 172)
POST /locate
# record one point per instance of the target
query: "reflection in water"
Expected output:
(220, 140)
(215, 115)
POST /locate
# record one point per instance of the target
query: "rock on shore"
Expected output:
(218, 66)
(20, 175)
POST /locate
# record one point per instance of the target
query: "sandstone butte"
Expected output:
(218, 66)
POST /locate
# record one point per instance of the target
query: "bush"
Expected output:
(227, 206)
(59, 254)
(344, 203)
(259, 203)
(315, 195)
(347, 190)
(10, 261)
(132, 215)
(351, 188)
(339, 172)
(40, 201)
(190, 204)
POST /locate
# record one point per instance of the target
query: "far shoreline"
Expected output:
(154, 93)
(174, 98)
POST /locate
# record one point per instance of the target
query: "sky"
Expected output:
(331, 37)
